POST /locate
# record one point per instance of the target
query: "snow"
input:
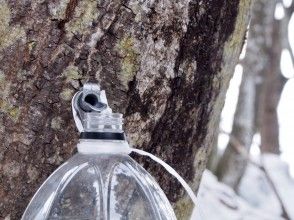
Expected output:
(256, 200)
(261, 194)
(227, 115)
(286, 123)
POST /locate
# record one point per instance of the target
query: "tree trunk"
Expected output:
(232, 165)
(164, 64)
(213, 158)
(260, 90)
(272, 85)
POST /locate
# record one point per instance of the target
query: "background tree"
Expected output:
(260, 90)
(165, 64)
(273, 82)
(232, 165)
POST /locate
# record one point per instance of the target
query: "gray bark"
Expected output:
(232, 165)
(260, 90)
(272, 84)
(214, 156)
(164, 64)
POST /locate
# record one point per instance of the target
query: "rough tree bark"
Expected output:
(165, 64)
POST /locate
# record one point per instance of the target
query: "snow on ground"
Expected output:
(217, 201)
(256, 190)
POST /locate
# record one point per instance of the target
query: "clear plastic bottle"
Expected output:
(99, 187)
(100, 182)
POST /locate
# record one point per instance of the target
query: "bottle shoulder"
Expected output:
(103, 147)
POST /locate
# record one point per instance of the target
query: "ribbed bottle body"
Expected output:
(99, 187)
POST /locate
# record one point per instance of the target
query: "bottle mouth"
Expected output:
(93, 116)
(90, 101)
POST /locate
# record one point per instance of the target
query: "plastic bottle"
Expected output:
(100, 182)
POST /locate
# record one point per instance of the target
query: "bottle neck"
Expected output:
(102, 133)
(102, 122)
(102, 126)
